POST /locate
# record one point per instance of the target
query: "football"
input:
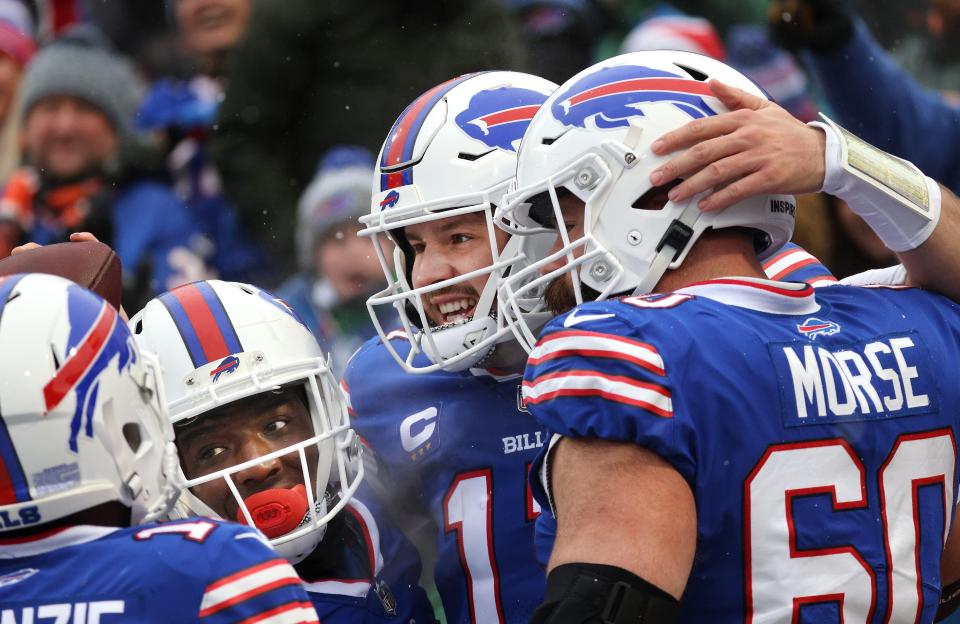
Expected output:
(91, 264)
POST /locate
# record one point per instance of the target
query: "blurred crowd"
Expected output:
(236, 138)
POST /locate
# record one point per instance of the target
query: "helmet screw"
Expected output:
(258, 358)
(599, 272)
(629, 158)
(190, 381)
(634, 237)
(586, 178)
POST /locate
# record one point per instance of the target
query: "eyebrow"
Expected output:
(454, 223)
(190, 433)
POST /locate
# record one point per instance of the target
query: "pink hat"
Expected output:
(16, 28)
(675, 32)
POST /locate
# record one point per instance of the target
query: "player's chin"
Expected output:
(559, 296)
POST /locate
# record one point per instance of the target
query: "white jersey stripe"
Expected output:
(357, 589)
(826, 280)
(246, 584)
(592, 344)
(292, 613)
(788, 262)
(651, 397)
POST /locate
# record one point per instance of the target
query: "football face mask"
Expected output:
(260, 461)
(236, 360)
(448, 159)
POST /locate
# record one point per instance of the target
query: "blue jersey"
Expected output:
(791, 263)
(370, 577)
(195, 570)
(816, 431)
(460, 446)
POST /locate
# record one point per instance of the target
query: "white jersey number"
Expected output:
(781, 578)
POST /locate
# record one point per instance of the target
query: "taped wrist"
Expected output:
(896, 200)
(592, 593)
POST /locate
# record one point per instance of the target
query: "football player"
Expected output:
(452, 439)
(727, 447)
(87, 464)
(263, 438)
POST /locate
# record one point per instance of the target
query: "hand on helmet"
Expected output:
(757, 148)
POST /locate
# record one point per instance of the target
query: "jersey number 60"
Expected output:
(780, 578)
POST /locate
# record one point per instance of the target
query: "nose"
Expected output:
(431, 268)
(260, 472)
(65, 117)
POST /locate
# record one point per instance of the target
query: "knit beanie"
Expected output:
(81, 64)
(340, 192)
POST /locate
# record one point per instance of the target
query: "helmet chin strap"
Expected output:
(673, 243)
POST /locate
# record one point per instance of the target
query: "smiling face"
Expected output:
(67, 137)
(241, 431)
(445, 249)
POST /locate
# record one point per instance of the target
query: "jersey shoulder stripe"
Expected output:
(795, 264)
(652, 397)
(590, 344)
(297, 612)
(607, 361)
(247, 584)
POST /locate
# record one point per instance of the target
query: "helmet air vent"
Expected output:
(472, 157)
(655, 198)
(694, 73)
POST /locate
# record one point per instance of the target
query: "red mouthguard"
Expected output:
(278, 511)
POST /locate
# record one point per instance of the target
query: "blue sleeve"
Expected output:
(239, 577)
(879, 102)
(151, 226)
(606, 379)
(253, 583)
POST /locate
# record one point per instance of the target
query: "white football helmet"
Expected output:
(592, 139)
(82, 420)
(219, 342)
(451, 152)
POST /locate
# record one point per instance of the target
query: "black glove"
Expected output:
(817, 25)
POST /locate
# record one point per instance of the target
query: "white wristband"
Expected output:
(896, 200)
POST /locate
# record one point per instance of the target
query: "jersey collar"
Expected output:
(762, 295)
(52, 540)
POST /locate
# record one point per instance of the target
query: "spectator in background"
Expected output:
(16, 48)
(310, 75)
(932, 55)
(669, 30)
(865, 89)
(77, 102)
(338, 270)
(181, 113)
(210, 30)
